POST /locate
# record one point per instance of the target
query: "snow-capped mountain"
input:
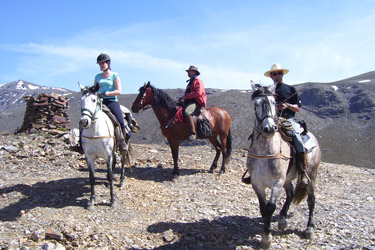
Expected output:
(12, 93)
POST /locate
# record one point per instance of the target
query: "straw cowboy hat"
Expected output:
(276, 67)
(193, 68)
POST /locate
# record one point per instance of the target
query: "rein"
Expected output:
(92, 116)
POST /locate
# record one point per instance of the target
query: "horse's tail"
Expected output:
(129, 154)
(300, 193)
(229, 147)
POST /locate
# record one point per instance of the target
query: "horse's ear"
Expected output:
(272, 88)
(148, 84)
(254, 86)
(80, 86)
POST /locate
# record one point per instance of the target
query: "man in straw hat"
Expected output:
(288, 104)
(194, 99)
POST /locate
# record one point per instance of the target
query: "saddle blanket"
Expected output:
(308, 143)
(179, 117)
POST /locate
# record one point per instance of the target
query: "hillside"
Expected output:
(44, 188)
(341, 114)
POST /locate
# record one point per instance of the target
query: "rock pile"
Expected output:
(46, 111)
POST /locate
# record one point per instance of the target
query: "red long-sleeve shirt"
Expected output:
(197, 92)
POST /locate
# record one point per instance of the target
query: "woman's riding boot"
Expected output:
(192, 133)
(121, 143)
(303, 163)
(129, 120)
(78, 148)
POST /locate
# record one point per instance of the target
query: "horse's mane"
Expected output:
(163, 99)
(90, 90)
(262, 91)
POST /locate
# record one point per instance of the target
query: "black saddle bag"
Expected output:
(203, 128)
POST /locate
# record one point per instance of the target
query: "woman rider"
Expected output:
(109, 84)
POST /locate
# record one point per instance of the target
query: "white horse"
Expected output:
(271, 165)
(98, 140)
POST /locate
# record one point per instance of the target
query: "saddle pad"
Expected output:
(308, 143)
(179, 117)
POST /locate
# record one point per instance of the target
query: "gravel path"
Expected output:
(44, 189)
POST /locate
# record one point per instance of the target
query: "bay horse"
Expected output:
(98, 140)
(271, 165)
(165, 109)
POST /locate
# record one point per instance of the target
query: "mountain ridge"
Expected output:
(341, 114)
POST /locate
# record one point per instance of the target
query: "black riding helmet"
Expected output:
(103, 58)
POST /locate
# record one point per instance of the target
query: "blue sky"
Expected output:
(55, 43)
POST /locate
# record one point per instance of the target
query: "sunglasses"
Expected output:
(277, 73)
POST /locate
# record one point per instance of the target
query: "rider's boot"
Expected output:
(192, 132)
(121, 143)
(78, 148)
(303, 164)
(129, 120)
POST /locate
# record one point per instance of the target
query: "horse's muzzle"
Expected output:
(136, 108)
(85, 123)
(269, 127)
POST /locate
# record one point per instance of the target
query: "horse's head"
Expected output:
(143, 99)
(89, 105)
(265, 108)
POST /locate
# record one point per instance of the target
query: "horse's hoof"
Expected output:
(122, 184)
(175, 177)
(265, 243)
(308, 233)
(90, 206)
(113, 204)
(282, 224)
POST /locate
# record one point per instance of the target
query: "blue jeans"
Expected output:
(297, 139)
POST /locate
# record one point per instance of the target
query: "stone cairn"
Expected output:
(45, 112)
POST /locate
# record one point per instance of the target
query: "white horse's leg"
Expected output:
(110, 177)
(266, 209)
(123, 158)
(284, 211)
(91, 166)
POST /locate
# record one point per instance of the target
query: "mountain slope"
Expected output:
(341, 114)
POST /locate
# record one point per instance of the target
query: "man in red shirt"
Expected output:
(194, 99)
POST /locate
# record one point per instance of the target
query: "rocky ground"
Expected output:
(44, 189)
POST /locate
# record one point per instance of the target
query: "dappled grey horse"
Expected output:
(271, 165)
(98, 140)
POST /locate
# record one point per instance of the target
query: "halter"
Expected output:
(144, 99)
(89, 113)
(267, 114)
(266, 110)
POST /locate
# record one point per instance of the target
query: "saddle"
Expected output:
(201, 122)
(287, 133)
(116, 123)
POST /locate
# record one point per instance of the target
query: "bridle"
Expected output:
(144, 103)
(266, 111)
(92, 114)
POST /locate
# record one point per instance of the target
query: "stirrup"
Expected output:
(305, 177)
(123, 147)
(78, 149)
(191, 137)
